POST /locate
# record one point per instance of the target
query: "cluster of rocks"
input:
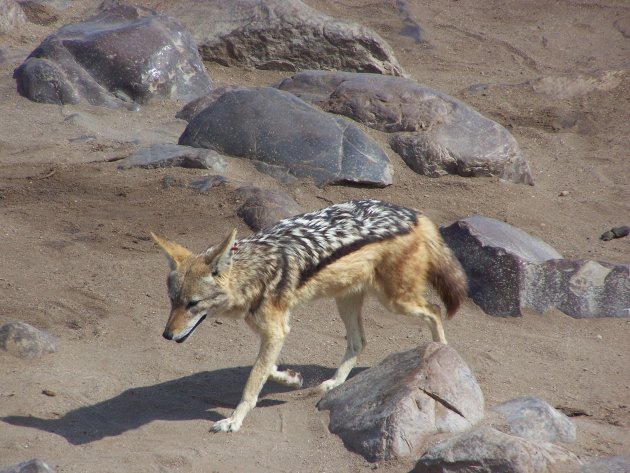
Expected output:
(509, 270)
(306, 126)
(426, 402)
(278, 130)
(434, 133)
(126, 56)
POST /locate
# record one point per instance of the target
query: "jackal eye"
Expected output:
(191, 304)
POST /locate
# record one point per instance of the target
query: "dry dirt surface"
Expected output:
(76, 259)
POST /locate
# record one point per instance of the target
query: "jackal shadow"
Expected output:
(187, 398)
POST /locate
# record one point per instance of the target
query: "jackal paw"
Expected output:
(328, 385)
(226, 425)
(290, 378)
(293, 379)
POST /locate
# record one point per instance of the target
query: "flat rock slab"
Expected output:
(25, 341)
(533, 418)
(280, 131)
(494, 255)
(509, 270)
(31, 466)
(434, 133)
(261, 208)
(282, 35)
(390, 410)
(580, 288)
(486, 450)
(124, 56)
(172, 155)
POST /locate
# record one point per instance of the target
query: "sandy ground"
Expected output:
(76, 259)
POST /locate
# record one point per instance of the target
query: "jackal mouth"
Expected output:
(183, 339)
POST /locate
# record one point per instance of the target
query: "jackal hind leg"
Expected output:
(264, 367)
(429, 313)
(349, 307)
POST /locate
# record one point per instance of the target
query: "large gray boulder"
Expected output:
(391, 409)
(486, 450)
(495, 256)
(124, 56)
(279, 131)
(283, 35)
(434, 133)
(509, 270)
(25, 341)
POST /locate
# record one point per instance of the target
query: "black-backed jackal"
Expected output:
(343, 251)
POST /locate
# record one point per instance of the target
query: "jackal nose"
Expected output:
(168, 335)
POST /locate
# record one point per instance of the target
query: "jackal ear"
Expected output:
(219, 257)
(175, 252)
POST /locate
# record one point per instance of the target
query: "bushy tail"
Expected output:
(446, 274)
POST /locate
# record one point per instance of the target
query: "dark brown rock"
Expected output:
(39, 13)
(261, 208)
(617, 232)
(390, 410)
(509, 270)
(494, 255)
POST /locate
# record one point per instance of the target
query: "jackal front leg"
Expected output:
(270, 347)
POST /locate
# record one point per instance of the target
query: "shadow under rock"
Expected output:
(185, 398)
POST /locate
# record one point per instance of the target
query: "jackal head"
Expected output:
(196, 285)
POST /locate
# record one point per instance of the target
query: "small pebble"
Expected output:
(564, 193)
(49, 393)
(599, 337)
(617, 232)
